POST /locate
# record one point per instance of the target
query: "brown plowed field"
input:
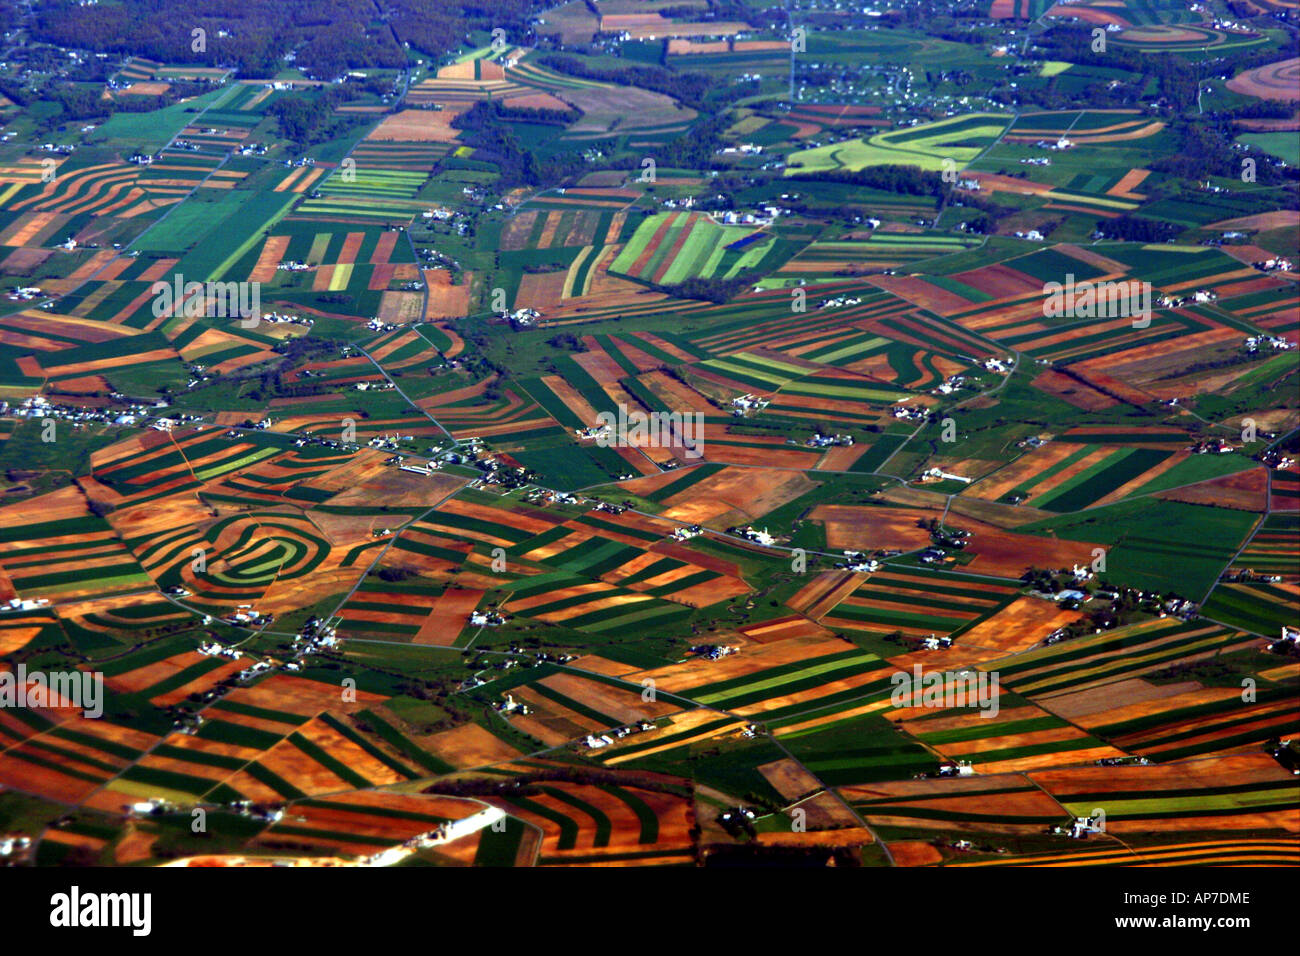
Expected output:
(1274, 81)
(419, 126)
(1019, 626)
(1244, 491)
(748, 492)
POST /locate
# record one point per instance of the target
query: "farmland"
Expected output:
(928, 146)
(642, 440)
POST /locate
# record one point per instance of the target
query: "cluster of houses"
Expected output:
(1285, 752)
(12, 845)
(955, 768)
(938, 474)
(188, 723)
(508, 705)
(713, 652)
(747, 149)
(840, 301)
(387, 442)
(524, 317)
(826, 441)
(1257, 343)
(24, 293)
(955, 538)
(547, 496)
(1127, 761)
(1276, 459)
(315, 637)
(1167, 301)
(1290, 639)
(488, 618)
(1078, 829)
(953, 383)
(1244, 575)
(323, 442)
(593, 742)
(37, 406)
(197, 375)
(472, 446)
(766, 217)
(1276, 264)
(753, 534)
(910, 412)
(1149, 601)
(746, 403)
(494, 473)
(857, 561)
(150, 807)
(1211, 446)
(256, 811)
(737, 814)
(245, 616)
(24, 604)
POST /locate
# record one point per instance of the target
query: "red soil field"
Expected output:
(922, 293)
(543, 291)
(446, 301)
(1000, 281)
(1275, 81)
(1244, 491)
(1073, 391)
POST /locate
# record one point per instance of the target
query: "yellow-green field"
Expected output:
(959, 138)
